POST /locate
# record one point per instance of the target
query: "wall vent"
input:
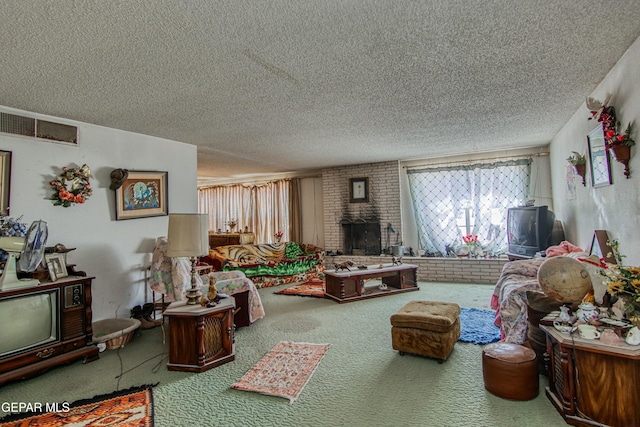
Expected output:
(42, 129)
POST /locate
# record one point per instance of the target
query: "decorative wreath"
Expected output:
(80, 189)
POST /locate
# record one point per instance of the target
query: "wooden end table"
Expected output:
(591, 383)
(200, 338)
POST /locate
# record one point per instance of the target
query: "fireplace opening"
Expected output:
(361, 238)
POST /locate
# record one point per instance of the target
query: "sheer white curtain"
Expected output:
(453, 201)
(263, 208)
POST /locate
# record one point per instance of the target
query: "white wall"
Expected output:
(115, 252)
(613, 208)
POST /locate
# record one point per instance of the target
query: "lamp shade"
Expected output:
(188, 235)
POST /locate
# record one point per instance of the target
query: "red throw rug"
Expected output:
(284, 370)
(312, 288)
(130, 408)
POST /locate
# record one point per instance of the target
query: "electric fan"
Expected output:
(34, 242)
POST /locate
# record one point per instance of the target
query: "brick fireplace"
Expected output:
(345, 221)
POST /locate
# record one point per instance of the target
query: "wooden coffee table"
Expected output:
(346, 286)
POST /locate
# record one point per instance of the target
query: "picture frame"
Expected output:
(601, 248)
(359, 190)
(5, 181)
(599, 162)
(52, 272)
(143, 194)
(57, 265)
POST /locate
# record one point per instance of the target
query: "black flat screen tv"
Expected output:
(529, 230)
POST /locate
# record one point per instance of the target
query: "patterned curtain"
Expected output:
(453, 201)
(262, 208)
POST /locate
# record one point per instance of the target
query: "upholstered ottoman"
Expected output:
(510, 371)
(426, 328)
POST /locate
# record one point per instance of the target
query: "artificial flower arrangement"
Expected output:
(577, 159)
(579, 163)
(79, 191)
(472, 246)
(605, 114)
(278, 235)
(622, 282)
(12, 227)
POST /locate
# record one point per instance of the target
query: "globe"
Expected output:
(564, 279)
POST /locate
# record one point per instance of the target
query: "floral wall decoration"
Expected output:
(79, 191)
(579, 163)
(616, 142)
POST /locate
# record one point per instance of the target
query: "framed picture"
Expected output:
(601, 248)
(142, 194)
(359, 190)
(5, 181)
(57, 265)
(52, 272)
(598, 158)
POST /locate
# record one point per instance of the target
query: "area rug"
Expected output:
(284, 370)
(131, 408)
(312, 288)
(477, 327)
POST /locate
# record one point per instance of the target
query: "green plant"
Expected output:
(577, 159)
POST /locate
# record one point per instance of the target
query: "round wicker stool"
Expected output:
(510, 371)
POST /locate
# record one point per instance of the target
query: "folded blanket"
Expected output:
(562, 249)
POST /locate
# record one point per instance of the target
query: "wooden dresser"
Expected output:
(223, 239)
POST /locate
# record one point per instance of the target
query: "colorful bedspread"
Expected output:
(510, 298)
(270, 260)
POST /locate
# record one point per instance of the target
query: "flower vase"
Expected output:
(278, 239)
(581, 170)
(622, 154)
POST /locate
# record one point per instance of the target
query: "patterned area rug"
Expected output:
(312, 288)
(130, 408)
(284, 370)
(477, 327)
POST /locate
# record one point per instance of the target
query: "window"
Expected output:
(263, 209)
(452, 201)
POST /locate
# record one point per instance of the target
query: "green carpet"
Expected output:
(361, 381)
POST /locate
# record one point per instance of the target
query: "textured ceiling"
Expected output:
(274, 86)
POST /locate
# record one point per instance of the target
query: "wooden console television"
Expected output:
(48, 325)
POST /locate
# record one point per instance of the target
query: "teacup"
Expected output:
(608, 336)
(562, 327)
(588, 332)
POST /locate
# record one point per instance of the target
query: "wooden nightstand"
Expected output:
(200, 338)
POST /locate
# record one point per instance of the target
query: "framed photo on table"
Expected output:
(359, 190)
(57, 266)
(598, 158)
(142, 194)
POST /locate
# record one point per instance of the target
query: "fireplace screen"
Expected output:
(361, 238)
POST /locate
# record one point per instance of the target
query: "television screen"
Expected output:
(27, 321)
(522, 227)
(529, 230)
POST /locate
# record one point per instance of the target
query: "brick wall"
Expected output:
(383, 205)
(455, 270)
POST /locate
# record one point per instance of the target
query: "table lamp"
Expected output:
(189, 237)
